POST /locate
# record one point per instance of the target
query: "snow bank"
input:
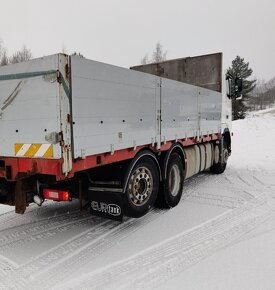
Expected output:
(253, 142)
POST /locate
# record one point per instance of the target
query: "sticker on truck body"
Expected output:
(33, 150)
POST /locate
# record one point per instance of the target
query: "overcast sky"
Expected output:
(121, 32)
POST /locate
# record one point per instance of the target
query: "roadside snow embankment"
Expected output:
(253, 143)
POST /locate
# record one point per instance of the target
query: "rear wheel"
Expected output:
(172, 186)
(220, 161)
(142, 188)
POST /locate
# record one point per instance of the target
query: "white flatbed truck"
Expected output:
(121, 139)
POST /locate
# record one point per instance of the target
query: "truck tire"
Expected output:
(218, 166)
(142, 188)
(172, 186)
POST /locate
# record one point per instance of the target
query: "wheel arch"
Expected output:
(134, 161)
(178, 148)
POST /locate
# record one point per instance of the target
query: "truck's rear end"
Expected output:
(35, 126)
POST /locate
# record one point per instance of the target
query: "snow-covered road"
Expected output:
(221, 235)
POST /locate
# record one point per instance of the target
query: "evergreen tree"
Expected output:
(241, 69)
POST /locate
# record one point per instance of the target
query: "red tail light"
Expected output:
(58, 195)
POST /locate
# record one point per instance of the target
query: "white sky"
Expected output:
(121, 32)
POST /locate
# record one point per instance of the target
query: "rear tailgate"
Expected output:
(33, 104)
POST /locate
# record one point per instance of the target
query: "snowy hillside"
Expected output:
(221, 235)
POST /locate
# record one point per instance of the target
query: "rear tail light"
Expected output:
(57, 195)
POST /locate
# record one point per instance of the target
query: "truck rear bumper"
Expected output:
(11, 166)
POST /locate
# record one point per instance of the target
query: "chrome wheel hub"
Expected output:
(140, 186)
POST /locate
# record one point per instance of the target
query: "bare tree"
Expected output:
(256, 100)
(269, 95)
(145, 59)
(158, 55)
(22, 55)
(4, 60)
(3, 54)
(263, 95)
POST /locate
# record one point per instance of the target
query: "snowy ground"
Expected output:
(221, 235)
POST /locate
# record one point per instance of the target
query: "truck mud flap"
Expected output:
(106, 203)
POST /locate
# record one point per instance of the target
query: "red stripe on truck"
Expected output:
(15, 165)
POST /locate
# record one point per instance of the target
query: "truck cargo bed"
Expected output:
(61, 114)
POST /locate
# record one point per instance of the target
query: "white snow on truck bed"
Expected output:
(221, 235)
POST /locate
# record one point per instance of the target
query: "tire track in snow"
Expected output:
(214, 199)
(165, 260)
(96, 250)
(17, 233)
(238, 194)
(269, 185)
(24, 272)
(204, 197)
(33, 214)
(237, 181)
(259, 232)
(22, 222)
(258, 180)
(58, 263)
(255, 179)
(47, 233)
(10, 219)
(244, 180)
(88, 252)
(6, 266)
(263, 229)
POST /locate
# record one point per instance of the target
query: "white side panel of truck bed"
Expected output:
(29, 106)
(113, 108)
(210, 108)
(188, 111)
(179, 110)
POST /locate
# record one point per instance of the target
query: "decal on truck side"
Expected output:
(111, 209)
(33, 150)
